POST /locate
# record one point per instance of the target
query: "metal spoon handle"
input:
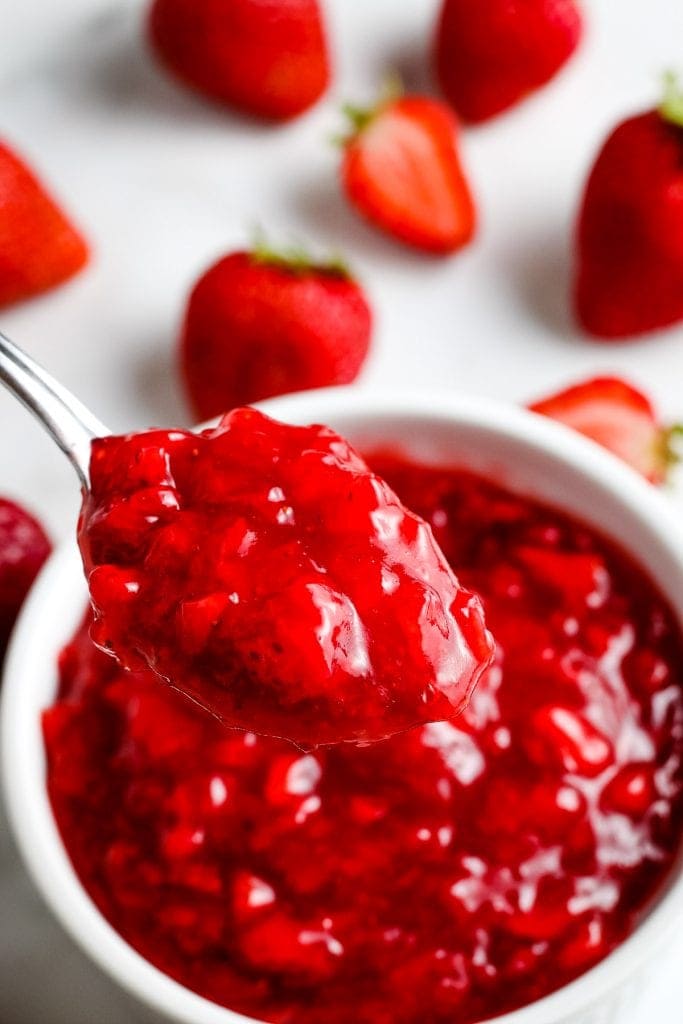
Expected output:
(65, 418)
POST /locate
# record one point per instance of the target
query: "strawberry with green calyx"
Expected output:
(267, 322)
(401, 170)
(629, 277)
(622, 419)
(297, 259)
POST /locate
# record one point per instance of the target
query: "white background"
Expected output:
(162, 184)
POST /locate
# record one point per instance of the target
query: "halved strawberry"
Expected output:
(402, 171)
(620, 418)
(39, 248)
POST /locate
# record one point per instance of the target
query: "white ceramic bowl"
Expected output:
(516, 448)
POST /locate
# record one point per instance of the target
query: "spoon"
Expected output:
(68, 422)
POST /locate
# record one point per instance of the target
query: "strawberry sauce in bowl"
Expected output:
(460, 871)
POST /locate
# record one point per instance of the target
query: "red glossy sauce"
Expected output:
(448, 874)
(263, 570)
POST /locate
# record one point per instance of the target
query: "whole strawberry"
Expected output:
(629, 276)
(265, 57)
(620, 418)
(490, 54)
(401, 170)
(39, 248)
(261, 323)
(23, 549)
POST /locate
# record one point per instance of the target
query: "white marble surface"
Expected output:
(162, 184)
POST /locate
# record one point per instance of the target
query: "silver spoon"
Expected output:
(68, 422)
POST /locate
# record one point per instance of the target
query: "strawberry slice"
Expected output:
(402, 171)
(620, 418)
(39, 248)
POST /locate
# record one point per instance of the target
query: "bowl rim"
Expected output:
(34, 826)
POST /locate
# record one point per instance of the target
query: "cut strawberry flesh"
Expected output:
(264, 571)
(403, 172)
(615, 415)
(452, 873)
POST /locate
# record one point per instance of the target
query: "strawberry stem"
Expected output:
(671, 107)
(297, 259)
(672, 446)
(360, 117)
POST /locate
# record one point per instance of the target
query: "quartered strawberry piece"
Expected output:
(39, 247)
(402, 171)
(620, 418)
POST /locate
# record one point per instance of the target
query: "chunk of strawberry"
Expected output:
(568, 738)
(632, 791)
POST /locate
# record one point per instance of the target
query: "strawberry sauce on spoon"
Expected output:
(264, 571)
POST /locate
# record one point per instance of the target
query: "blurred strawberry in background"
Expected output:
(265, 323)
(617, 416)
(490, 54)
(23, 549)
(264, 57)
(39, 247)
(401, 170)
(630, 233)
